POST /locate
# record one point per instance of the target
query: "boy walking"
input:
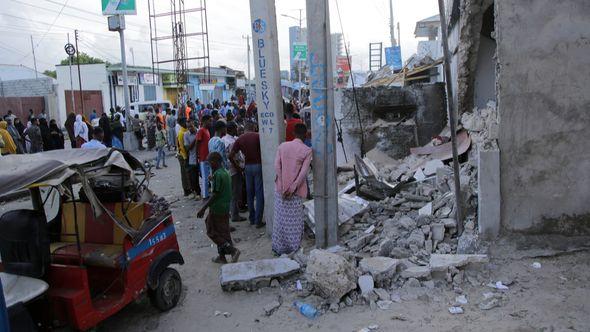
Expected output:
(217, 221)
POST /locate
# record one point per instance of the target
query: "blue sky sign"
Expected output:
(393, 57)
(119, 7)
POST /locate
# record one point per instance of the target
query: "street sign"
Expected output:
(119, 7)
(300, 51)
(70, 49)
(393, 57)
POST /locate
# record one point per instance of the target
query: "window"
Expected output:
(133, 93)
(149, 92)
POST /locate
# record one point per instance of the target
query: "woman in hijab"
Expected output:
(70, 128)
(117, 132)
(57, 137)
(80, 131)
(45, 135)
(105, 124)
(9, 146)
(16, 137)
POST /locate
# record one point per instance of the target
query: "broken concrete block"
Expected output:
(426, 210)
(449, 222)
(441, 262)
(384, 304)
(468, 243)
(361, 242)
(416, 238)
(366, 284)
(438, 231)
(416, 272)
(331, 274)
(255, 274)
(382, 294)
(407, 223)
(385, 248)
(381, 268)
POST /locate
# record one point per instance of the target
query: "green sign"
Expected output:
(300, 51)
(119, 7)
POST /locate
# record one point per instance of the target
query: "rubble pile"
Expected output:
(483, 126)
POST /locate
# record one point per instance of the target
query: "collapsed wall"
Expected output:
(395, 118)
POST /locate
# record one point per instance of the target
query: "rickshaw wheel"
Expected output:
(167, 294)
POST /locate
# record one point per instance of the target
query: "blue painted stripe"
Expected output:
(144, 245)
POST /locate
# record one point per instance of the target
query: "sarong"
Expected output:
(288, 224)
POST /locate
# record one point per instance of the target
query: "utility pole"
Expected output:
(299, 61)
(391, 25)
(132, 56)
(34, 58)
(268, 95)
(247, 37)
(322, 123)
(451, 113)
(399, 35)
(79, 75)
(71, 80)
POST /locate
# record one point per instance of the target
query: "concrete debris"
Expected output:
(255, 274)
(382, 269)
(441, 262)
(384, 304)
(461, 299)
(382, 294)
(417, 272)
(455, 310)
(348, 207)
(331, 275)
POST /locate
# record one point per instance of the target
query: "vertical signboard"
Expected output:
(268, 94)
(300, 51)
(119, 7)
(393, 57)
(342, 71)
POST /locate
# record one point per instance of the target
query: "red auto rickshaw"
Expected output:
(96, 235)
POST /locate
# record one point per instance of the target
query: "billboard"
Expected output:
(119, 7)
(342, 71)
(393, 57)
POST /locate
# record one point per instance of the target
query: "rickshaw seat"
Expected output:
(103, 255)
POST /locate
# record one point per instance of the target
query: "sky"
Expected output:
(49, 21)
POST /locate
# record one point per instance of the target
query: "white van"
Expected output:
(142, 107)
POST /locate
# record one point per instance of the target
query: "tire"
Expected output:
(167, 294)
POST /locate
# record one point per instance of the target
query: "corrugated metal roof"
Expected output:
(17, 72)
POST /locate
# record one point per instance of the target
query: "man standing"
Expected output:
(217, 221)
(93, 115)
(249, 145)
(96, 141)
(291, 165)
(235, 172)
(190, 145)
(151, 128)
(171, 125)
(183, 157)
(34, 134)
(136, 125)
(203, 138)
(216, 143)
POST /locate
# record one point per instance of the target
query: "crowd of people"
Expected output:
(39, 134)
(219, 153)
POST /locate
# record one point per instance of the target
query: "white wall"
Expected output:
(94, 77)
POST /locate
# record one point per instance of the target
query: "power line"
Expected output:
(45, 34)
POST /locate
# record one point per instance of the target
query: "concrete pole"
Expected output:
(391, 25)
(299, 61)
(248, 56)
(322, 123)
(268, 95)
(79, 74)
(125, 78)
(451, 113)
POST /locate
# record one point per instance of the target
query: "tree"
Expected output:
(85, 59)
(50, 73)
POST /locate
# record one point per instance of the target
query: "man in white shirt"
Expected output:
(96, 141)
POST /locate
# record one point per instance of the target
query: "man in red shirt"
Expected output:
(290, 123)
(249, 144)
(203, 137)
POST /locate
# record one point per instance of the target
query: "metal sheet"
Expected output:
(348, 207)
(444, 151)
